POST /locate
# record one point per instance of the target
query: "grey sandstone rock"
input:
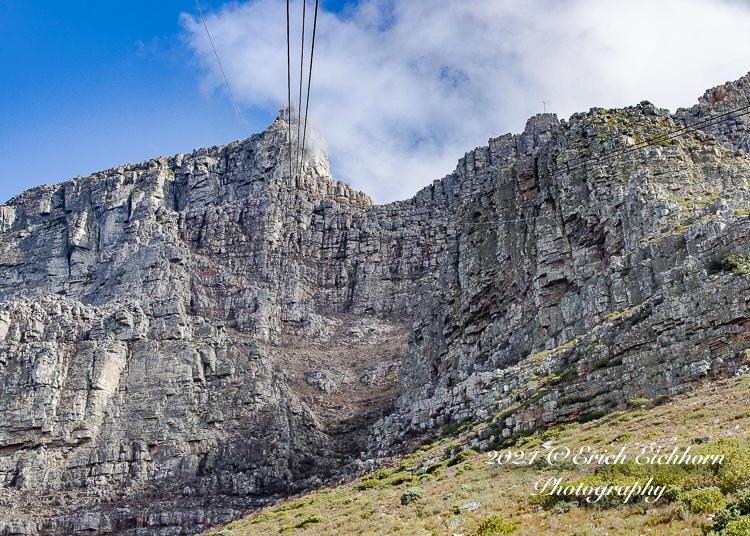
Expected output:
(327, 380)
(381, 373)
(596, 270)
(148, 312)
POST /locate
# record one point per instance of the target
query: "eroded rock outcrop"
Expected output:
(184, 338)
(111, 405)
(139, 305)
(585, 271)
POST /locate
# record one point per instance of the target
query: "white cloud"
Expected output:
(402, 88)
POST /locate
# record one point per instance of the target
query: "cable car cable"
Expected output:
(301, 76)
(222, 69)
(309, 77)
(289, 87)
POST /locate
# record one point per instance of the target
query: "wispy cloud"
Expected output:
(403, 88)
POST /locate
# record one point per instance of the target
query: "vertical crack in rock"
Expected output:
(192, 336)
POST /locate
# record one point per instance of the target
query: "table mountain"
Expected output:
(189, 337)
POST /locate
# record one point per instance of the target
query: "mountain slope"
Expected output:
(189, 337)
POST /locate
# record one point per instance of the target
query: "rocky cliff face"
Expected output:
(162, 320)
(104, 408)
(182, 339)
(588, 270)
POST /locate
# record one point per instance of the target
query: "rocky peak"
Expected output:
(184, 338)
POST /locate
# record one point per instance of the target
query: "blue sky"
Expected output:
(401, 88)
(90, 85)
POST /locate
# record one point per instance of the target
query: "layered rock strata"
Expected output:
(587, 271)
(182, 339)
(159, 322)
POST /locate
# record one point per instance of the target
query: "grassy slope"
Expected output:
(371, 505)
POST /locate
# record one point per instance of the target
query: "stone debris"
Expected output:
(327, 380)
(469, 507)
(380, 374)
(143, 309)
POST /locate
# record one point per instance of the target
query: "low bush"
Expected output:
(673, 492)
(551, 434)
(565, 375)
(462, 456)
(454, 428)
(436, 468)
(367, 484)
(704, 500)
(737, 527)
(382, 474)
(723, 517)
(563, 507)
(495, 525)
(413, 495)
(455, 520)
(545, 500)
(315, 518)
(734, 472)
(591, 416)
(726, 520)
(742, 500)
(699, 488)
(398, 478)
(729, 263)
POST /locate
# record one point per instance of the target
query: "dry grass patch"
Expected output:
(372, 504)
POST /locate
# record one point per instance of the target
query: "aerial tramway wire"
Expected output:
(222, 68)
(289, 87)
(301, 70)
(309, 76)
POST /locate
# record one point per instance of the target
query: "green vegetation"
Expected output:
(701, 488)
(732, 520)
(730, 263)
(703, 500)
(639, 318)
(494, 525)
(413, 495)
(367, 484)
(565, 375)
(385, 502)
(624, 437)
(462, 457)
(563, 507)
(454, 428)
(591, 416)
(315, 518)
(601, 363)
